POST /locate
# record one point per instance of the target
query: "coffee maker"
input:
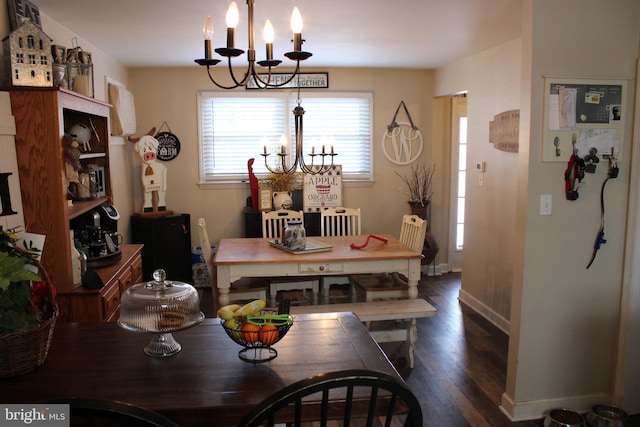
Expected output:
(97, 233)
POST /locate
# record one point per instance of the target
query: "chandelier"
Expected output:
(298, 160)
(230, 51)
(263, 80)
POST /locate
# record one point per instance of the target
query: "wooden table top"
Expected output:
(206, 380)
(259, 251)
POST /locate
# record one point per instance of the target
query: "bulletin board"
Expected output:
(583, 114)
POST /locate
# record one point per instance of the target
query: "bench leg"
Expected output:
(412, 338)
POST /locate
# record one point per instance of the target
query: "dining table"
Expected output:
(206, 383)
(258, 257)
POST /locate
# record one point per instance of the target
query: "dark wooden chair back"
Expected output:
(352, 397)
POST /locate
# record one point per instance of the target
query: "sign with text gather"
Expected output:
(323, 190)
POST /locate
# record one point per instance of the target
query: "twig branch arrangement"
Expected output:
(418, 183)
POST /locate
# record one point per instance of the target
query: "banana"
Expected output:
(251, 308)
(227, 311)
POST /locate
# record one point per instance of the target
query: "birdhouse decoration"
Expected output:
(27, 56)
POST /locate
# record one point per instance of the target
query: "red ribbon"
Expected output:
(366, 242)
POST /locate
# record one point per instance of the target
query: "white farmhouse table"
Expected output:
(255, 257)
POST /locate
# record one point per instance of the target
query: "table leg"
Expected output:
(223, 284)
(413, 278)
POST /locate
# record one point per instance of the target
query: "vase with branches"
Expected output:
(418, 184)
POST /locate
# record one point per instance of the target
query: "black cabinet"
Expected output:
(253, 218)
(167, 245)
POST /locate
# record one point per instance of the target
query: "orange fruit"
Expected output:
(268, 334)
(250, 332)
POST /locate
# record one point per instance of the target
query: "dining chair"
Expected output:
(346, 397)
(338, 221)
(392, 285)
(241, 290)
(273, 224)
(111, 413)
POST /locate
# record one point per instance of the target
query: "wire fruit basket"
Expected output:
(257, 333)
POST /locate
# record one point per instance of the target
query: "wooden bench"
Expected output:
(407, 310)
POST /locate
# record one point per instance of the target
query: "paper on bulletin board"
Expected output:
(323, 190)
(603, 140)
(589, 111)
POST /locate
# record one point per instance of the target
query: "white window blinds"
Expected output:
(237, 127)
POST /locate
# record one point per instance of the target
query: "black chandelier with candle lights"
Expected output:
(230, 51)
(250, 74)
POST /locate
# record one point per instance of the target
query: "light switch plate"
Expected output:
(545, 204)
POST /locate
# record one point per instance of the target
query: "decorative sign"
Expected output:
(19, 9)
(265, 195)
(504, 131)
(402, 143)
(323, 190)
(304, 80)
(169, 146)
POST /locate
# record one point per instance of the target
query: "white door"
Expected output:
(458, 172)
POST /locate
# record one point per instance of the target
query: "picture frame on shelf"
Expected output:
(265, 196)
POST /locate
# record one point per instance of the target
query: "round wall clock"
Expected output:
(169, 146)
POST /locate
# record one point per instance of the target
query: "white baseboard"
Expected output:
(485, 311)
(538, 409)
(435, 270)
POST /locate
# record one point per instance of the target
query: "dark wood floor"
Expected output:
(460, 362)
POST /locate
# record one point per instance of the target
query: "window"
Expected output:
(235, 127)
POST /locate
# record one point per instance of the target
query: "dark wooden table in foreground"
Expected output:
(206, 383)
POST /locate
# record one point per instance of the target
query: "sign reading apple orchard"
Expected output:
(323, 190)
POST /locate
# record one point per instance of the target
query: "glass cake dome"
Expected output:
(160, 307)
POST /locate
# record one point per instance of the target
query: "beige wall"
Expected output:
(529, 269)
(492, 80)
(169, 94)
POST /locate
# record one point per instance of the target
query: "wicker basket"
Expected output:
(24, 351)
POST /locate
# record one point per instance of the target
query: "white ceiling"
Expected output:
(339, 33)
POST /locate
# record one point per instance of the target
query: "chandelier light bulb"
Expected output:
(207, 28)
(232, 22)
(268, 32)
(296, 21)
(207, 32)
(296, 27)
(233, 16)
(268, 35)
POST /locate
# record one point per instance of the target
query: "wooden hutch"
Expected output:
(42, 115)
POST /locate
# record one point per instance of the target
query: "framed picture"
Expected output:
(264, 199)
(19, 9)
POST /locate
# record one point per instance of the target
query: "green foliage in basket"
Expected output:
(25, 300)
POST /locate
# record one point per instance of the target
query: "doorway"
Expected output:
(458, 174)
